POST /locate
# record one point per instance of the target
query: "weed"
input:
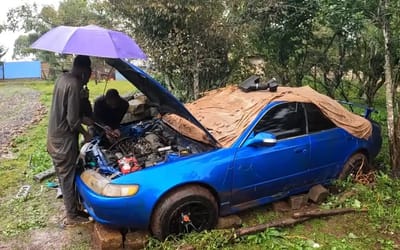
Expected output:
(23, 215)
(387, 244)
(216, 239)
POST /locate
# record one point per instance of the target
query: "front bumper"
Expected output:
(133, 212)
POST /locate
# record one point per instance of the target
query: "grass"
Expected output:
(18, 217)
(377, 229)
(31, 146)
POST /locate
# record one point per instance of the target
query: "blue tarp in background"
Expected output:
(16, 70)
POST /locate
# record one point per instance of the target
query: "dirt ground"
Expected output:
(19, 107)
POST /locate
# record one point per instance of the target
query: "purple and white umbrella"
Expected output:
(89, 40)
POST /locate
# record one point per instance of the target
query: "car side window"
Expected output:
(284, 120)
(317, 121)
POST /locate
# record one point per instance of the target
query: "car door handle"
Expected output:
(300, 150)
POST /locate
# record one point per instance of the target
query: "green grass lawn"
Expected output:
(376, 229)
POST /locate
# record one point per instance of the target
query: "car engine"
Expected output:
(142, 145)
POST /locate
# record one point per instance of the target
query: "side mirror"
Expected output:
(262, 139)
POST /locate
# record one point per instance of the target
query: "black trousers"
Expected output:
(64, 160)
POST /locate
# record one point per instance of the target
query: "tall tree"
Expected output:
(366, 62)
(393, 136)
(281, 35)
(3, 52)
(188, 40)
(337, 27)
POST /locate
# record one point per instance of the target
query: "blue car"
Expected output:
(169, 174)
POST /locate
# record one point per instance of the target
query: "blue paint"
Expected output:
(18, 70)
(241, 176)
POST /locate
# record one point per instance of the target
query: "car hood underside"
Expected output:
(159, 96)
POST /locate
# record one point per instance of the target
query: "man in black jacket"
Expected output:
(109, 110)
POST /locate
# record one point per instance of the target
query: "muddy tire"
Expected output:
(357, 163)
(185, 210)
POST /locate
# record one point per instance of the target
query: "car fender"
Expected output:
(202, 169)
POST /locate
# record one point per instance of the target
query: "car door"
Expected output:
(329, 145)
(265, 171)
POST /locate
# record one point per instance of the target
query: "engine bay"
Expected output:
(141, 145)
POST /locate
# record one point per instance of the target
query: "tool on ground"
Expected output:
(51, 184)
(23, 192)
(43, 175)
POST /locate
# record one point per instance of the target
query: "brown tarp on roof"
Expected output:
(186, 128)
(226, 112)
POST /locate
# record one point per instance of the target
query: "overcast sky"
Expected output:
(7, 39)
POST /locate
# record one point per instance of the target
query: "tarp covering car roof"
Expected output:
(226, 112)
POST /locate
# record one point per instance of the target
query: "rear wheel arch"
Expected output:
(363, 151)
(360, 156)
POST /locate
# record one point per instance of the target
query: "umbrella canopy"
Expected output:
(89, 40)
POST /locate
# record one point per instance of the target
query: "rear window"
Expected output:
(317, 121)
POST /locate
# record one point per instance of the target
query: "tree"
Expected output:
(367, 62)
(281, 34)
(392, 122)
(3, 51)
(188, 40)
(29, 18)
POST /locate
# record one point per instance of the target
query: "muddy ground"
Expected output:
(19, 107)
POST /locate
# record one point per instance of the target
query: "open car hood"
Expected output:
(156, 93)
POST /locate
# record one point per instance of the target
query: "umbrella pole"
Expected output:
(105, 86)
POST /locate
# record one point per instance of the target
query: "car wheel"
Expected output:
(356, 164)
(185, 210)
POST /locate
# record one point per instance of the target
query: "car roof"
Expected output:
(227, 111)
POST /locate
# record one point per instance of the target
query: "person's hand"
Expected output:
(84, 93)
(117, 133)
(112, 133)
(87, 136)
(87, 121)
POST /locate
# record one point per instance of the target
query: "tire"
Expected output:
(357, 163)
(185, 210)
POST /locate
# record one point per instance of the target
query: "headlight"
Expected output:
(113, 190)
(102, 186)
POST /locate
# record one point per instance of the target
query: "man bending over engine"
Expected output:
(109, 110)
